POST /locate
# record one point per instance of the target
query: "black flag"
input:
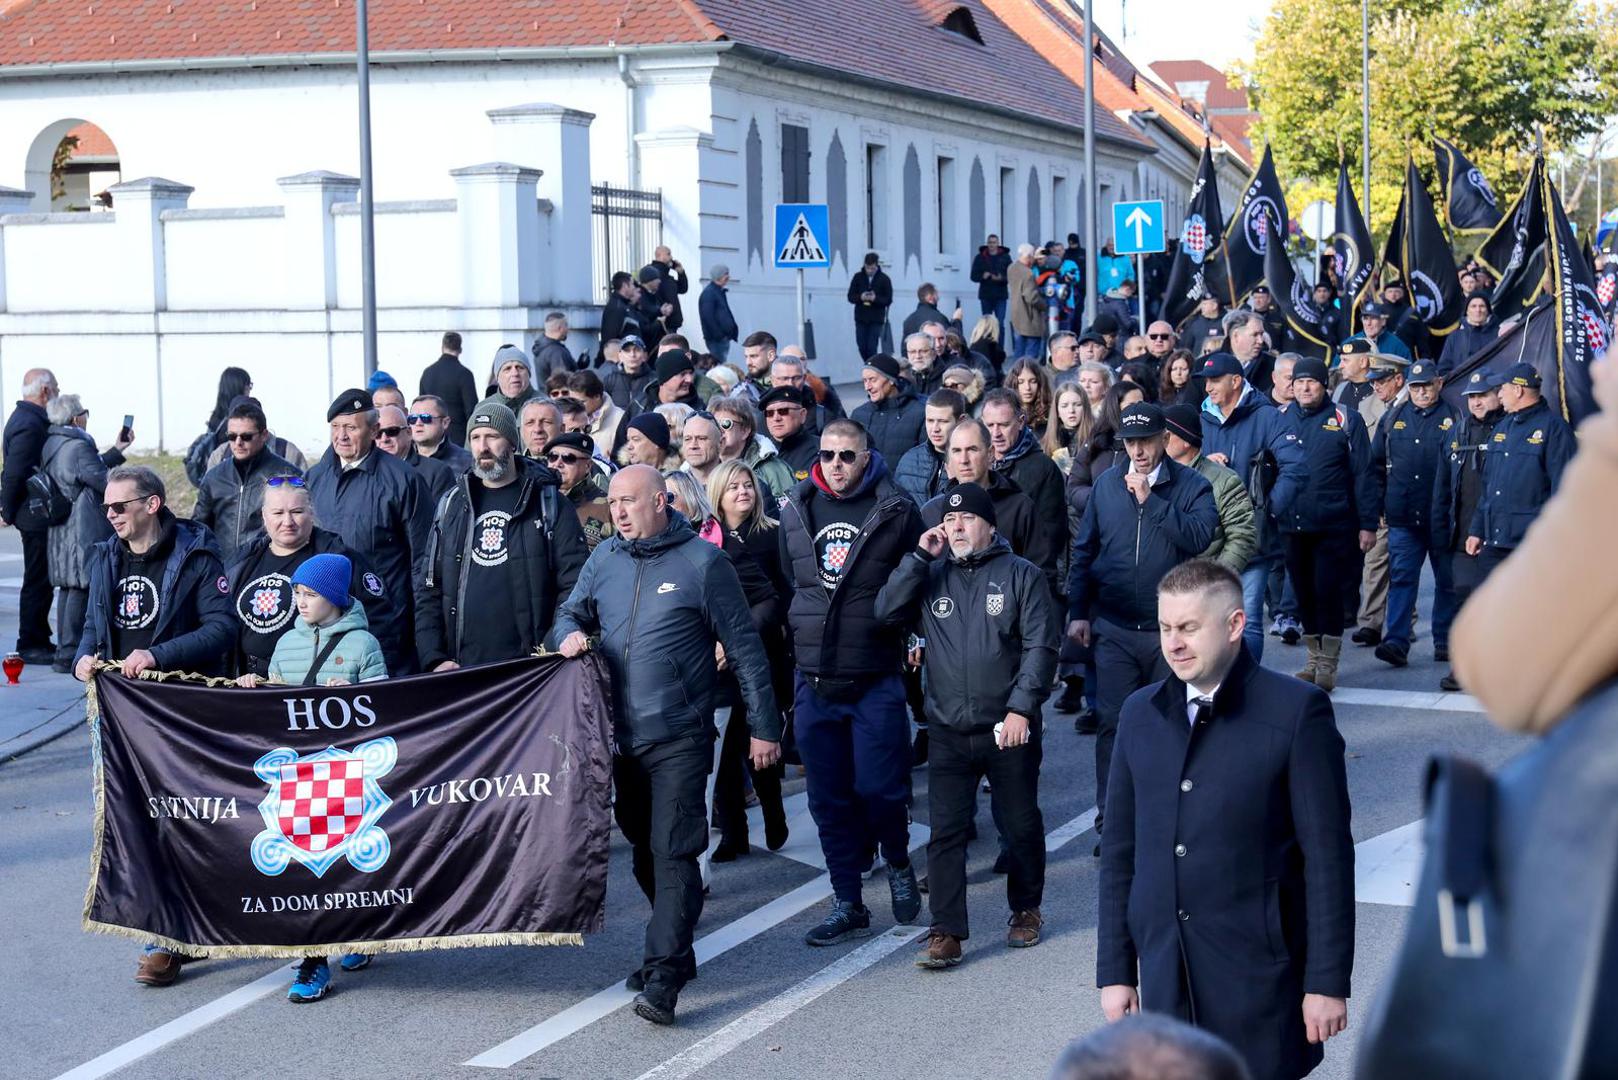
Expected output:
(1419, 253)
(1353, 257)
(1514, 251)
(1295, 298)
(1197, 265)
(1607, 287)
(1263, 205)
(1470, 204)
(1581, 332)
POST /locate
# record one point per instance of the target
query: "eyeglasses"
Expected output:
(289, 481)
(242, 436)
(955, 385)
(423, 418)
(564, 459)
(118, 509)
(390, 432)
(847, 457)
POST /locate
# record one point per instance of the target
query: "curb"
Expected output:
(48, 731)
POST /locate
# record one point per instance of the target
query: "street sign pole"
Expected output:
(802, 306)
(362, 59)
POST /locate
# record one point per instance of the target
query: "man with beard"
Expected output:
(758, 352)
(505, 551)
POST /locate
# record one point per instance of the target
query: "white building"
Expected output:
(922, 124)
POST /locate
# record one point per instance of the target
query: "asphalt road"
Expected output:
(764, 1005)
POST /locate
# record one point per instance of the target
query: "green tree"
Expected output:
(1486, 74)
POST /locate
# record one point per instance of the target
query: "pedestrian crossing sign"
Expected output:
(802, 235)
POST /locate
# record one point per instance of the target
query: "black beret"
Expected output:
(349, 401)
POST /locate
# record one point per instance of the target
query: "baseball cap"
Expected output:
(1141, 420)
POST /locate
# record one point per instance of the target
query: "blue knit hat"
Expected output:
(378, 380)
(328, 575)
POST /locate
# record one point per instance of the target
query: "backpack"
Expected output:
(45, 504)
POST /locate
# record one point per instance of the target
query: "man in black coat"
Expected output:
(989, 267)
(1019, 457)
(893, 416)
(550, 349)
(429, 433)
(1143, 518)
(622, 316)
(25, 435)
(719, 329)
(448, 380)
(1227, 867)
(871, 293)
(505, 550)
(380, 508)
(671, 285)
(232, 492)
(395, 436)
(926, 310)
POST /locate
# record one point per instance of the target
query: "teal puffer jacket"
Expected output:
(357, 658)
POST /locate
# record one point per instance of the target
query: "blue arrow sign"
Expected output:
(803, 235)
(1137, 227)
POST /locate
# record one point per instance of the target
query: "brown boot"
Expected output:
(158, 969)
(1331, 650)
(942, 951)
(1024, 932)
(1311, 642)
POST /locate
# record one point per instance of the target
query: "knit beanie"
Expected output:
(970, 499)
(329, 575)
(654, 427)
(378, 380)
(671, 364)
(510, 354)
(493, 414)
(884, 365)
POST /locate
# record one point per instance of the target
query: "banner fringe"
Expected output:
(337, 948)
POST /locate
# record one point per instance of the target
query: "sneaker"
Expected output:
(354, 961)
(1024, 932)
(1441, 653)
(158, 969)
(649, 1008)
(313, 981)
(1367, 635)
(1087, 722)
(636, 982)
(847, 920)
(1071, 699)
(1449, 683)
(1291, 630)
(942, 951)
(1392, 653)
(906, 894)
(1277, 625)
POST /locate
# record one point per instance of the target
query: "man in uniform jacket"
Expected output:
(1460, 487)
(1521, 468)
(379, 507)
(1227, 867)
(659, 598)
(1144, 517)
(843, 532)
(871, 293)
(1407, 455)
(505, 550)
(988, 672)
(449, 380)
(893, 416)
(232, 492)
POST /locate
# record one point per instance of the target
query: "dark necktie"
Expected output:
(1203, 712)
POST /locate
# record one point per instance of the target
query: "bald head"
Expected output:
(391, 418)
(794, 351)
(638, 502)
(38, 386)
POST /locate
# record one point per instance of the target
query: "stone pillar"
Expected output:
(499, 224)
(559, 139)
(138, 216)
(12, 201)
(311, 245)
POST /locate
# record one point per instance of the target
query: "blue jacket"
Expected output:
(196, 626)
(1124, 547)
(921, 473)
(1390, 343)
(1406, 456)
(1337, 451)
(658, 604)
(1521, 470)
(896, 423)
(1255, 425)
(713, 308)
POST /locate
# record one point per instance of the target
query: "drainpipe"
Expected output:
(631, 152)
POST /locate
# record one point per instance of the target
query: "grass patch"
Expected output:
(182, 496)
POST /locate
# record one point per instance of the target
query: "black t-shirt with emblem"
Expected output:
(264, 606)
(488, 619)
(837, 524)
(136, 601)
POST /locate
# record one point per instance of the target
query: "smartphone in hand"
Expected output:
(128, 431)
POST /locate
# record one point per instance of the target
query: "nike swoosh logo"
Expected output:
(666, 587)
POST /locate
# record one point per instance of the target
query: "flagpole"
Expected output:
(1365, 101)
(1090, 163)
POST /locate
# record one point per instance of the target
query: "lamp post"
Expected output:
(1365, 101)
(362, 57)
(1089, 162)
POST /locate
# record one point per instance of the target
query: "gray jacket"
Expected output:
(658, 605)
(70, 457)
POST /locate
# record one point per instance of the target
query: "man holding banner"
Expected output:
(660, 598)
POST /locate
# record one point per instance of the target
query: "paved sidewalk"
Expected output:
(43, 705)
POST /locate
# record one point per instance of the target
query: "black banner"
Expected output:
(1251, 229)
(1354, 258)
(1294, 296)
(1581, 332)
(1197, 265)
(1470, 204)
(465, 808)
(1515, 252)
(1419, 253)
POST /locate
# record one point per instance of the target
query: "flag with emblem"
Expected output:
(1295, 298)
(1515, 251)
(1353, 257)
(1196, 264)
(1581, 330)
(1470, 204)
(1418, 254)
(1260, 220)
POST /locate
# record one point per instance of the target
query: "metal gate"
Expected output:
(627, 227)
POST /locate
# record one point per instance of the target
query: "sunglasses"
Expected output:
(564, 459)
(724, 423)
(1160, 337)
(242, 437)
(785, 410)
(954, 385)
(118, 509)
(289, 481)
(847, 457)
(423, 418)
(390, 432)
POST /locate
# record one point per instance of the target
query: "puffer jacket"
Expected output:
(921, 473)
(356, 659)
(772, 471)
(992, 632)
(1236, 539)
(658, 604)
(229, 502)
(836, 634)
(81, 474)
(895, 424)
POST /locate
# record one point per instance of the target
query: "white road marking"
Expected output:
(181, 1026)
(753, 1023)
(1406, 699)
(1387, 867)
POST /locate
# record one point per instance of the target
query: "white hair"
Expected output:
(42, 381)
(1024, 250)
(925, 339)
(62, 409)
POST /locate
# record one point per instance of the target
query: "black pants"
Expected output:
(1319, 563)
(71, 605)
(661, 808)
(868, 339)
(955, 763)
(1126, 660)
(730, 794)
(34, 602)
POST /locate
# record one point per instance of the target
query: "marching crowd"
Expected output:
(1081, 512)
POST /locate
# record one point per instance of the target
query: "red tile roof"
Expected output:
(93, 142)
(1221, 95)
(836, 34)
